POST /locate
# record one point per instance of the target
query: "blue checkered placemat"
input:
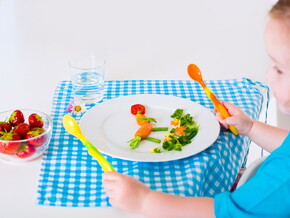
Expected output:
(69, 176)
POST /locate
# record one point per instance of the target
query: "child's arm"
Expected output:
(264, 135)
(267, 136)
(131, 195)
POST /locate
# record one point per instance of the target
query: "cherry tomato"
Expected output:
(137, 107)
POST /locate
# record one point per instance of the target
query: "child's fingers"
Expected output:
(111, 176)
(221, 121)
(224, 124)
(218, 117)
(230, 121)
(108, 184)
(110, 193)
(230, 107)
(110, 181)
(113, 201)
(110, 188)
(227, 105)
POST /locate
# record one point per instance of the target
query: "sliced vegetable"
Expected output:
(156, 129)
(155, 150)
(182, 134)
(153, 139)
(177, 114)
(175, 122)
(143, 132)
(180, 130)
(138, 108)
(142, 119)
(134, 143)
(141, 122)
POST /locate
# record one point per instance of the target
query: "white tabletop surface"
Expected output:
(140, 40)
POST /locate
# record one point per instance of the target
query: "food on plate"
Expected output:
(175, 122)
(146, 128)
(158, 129)
(142, 119)
(138, 109)
(153, 139)
(142, 133)
(184, 130)
(155, 150)
(183, 133)
(180, 130)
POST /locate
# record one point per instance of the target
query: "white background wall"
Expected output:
(152, 39)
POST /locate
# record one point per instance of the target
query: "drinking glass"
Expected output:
(87, 76)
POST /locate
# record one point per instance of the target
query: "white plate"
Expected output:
(110, 125)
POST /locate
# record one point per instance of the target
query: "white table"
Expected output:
(18, 196)
(140, 40)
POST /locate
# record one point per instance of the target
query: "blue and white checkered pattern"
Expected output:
(71, 177)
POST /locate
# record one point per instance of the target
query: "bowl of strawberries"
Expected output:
(24, 134)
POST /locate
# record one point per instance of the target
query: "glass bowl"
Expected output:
(29, 145)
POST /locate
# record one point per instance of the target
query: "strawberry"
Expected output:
(35, 121)
(5, 127)
(16, 118)
(34, 133)
(9, 147)
(25, 150)
(22, 129)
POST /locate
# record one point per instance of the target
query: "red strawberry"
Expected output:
(5, 127)
(9, 147)
(37, 141)
(16, 118)
(22, 129)
(25, 151)
(35, 121)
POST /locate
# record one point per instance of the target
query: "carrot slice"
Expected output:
(141, 133)
(175, 122)
(180, 130)
(140, 121)
(144, 131)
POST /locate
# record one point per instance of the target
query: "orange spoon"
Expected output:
(195, 74)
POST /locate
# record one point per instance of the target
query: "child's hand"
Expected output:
(125, 192)
(238, 118)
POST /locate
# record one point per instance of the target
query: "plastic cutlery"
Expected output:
(195, 74)
(72, 127)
